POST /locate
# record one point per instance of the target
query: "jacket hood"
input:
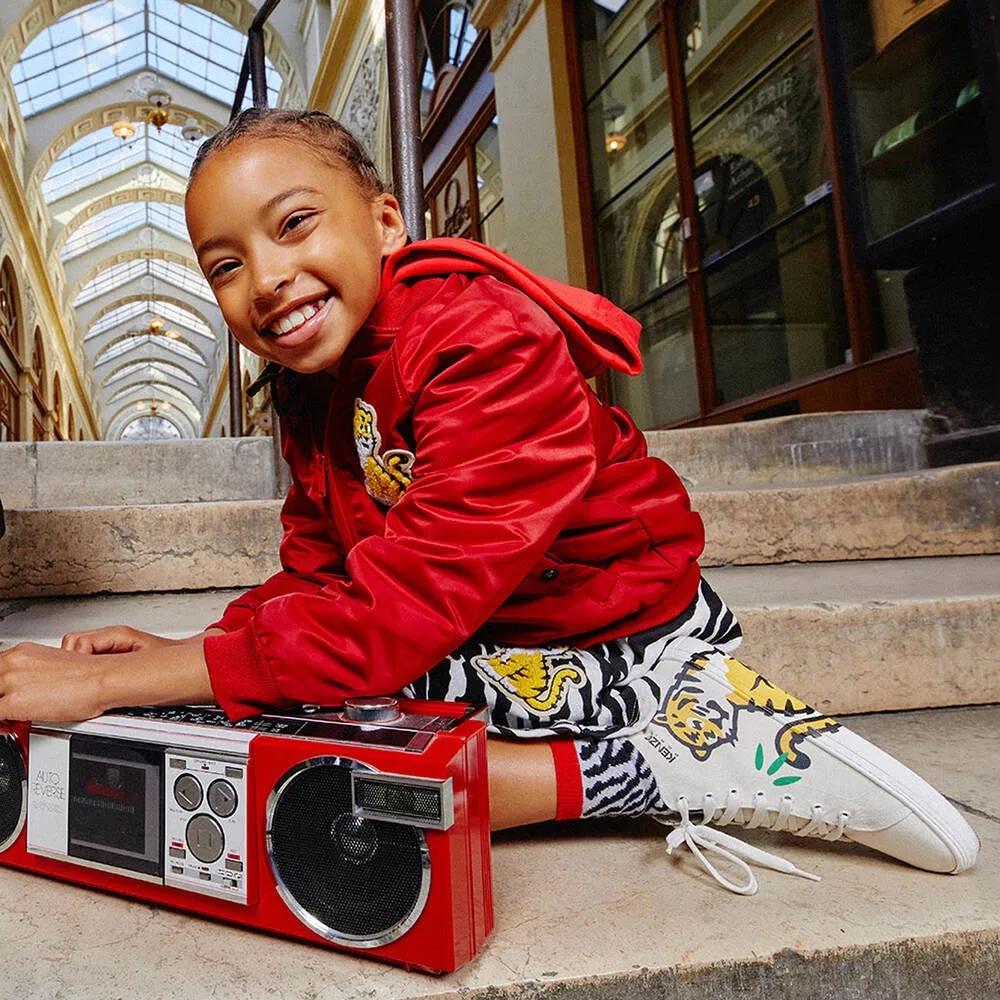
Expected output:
(599, 334)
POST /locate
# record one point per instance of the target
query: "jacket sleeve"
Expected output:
(310, 557)
(503, 444)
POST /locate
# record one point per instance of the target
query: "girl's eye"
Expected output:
(222, 269)
(294, 221)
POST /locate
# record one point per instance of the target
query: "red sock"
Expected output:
(569, 782)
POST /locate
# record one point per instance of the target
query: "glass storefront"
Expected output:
(755, 271)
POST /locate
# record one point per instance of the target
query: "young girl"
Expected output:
(467, 521)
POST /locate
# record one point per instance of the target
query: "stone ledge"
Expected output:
(106, 473)
(942, 512)
(797, 449)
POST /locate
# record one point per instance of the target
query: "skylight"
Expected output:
(151, 368)
(108, 40)
(114, 277)
(103, 228)
(102, 154)
(133, 342)
(120, 314)
(151, 307)
(163, 390)
(108, 225)
(150, 428)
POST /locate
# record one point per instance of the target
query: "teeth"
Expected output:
(297, 317)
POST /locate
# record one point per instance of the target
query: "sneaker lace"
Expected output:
(700, 836)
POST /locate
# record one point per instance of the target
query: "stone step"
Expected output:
(107, 473)
(593, 911)
(804, 448)
(940, 512)
(796, 449)
(846, 637)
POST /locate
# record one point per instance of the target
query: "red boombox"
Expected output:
(365, 828)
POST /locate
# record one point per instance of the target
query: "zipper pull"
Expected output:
(322, 474)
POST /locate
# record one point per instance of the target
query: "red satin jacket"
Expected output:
(457, 475)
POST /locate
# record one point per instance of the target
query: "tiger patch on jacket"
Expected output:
(386, 475)
(697, 718)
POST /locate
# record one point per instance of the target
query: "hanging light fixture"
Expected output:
(156, 325)
(124, 129)
(192, 131)
(160, 100)
(614, 142)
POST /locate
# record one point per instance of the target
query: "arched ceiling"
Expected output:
(152, 334)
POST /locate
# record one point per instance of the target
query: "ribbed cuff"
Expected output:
(242, 684)
(569, 781)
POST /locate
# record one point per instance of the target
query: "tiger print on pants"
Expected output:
(596, 693)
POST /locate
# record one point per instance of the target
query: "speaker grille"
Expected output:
(356, 881)
(11, 790)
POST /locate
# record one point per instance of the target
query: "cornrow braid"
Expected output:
(325, 136)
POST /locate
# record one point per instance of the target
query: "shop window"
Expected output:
(57, 406)
(468, 198)
(746, 279)
(10, 331)
(446, 39)
(8, 408)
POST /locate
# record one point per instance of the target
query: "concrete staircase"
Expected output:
(865, 583)
(842, 555)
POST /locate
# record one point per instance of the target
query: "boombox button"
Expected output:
(205, 876)
(229, 883)
(177, 869)
(234, 866)
(178, 852)
(371, 709)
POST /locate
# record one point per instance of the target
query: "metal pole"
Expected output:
(254, 69)
(404, 112)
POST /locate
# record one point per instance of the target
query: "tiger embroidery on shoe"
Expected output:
(701, 722)
(386, 475)
(540, 679)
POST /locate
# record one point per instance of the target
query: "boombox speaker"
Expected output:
(364, 828)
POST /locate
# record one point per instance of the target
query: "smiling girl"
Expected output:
(468, 521)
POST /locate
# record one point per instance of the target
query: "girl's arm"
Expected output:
(59, 685)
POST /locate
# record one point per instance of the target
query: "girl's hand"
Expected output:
(119, 639)
(44, 684)
(54, 685)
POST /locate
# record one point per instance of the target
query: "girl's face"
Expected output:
(291, 248)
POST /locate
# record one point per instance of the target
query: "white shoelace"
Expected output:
(701, 835)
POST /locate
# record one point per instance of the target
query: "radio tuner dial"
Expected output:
(371, 709)
(222, 798)
(205, 839)
(187, 792)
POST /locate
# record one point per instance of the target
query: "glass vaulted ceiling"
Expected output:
(116, 278)
(108, 40)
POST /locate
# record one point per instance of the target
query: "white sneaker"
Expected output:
(728, 747)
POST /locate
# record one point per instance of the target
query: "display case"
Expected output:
(915, 101)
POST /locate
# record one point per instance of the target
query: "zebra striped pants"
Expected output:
(596, 693)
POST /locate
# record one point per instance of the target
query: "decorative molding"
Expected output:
(504, 22)
(348, 19)
(361, 110)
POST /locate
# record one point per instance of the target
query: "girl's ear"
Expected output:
(391, 225)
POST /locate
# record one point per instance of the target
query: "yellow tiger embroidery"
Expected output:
(539, 679)
(701, 722)
(387, 475)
